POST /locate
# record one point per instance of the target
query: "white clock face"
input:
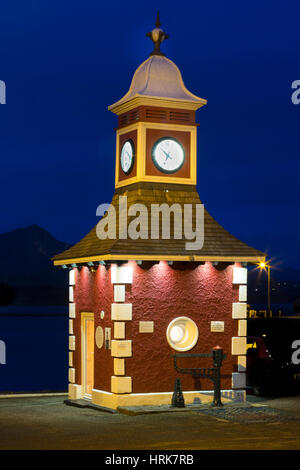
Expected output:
(168, 155)
(127, 156)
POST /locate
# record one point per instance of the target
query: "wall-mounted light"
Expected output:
(182, 334)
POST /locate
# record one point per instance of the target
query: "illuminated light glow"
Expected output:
(161, 265)
(176, 334)
(262, 264)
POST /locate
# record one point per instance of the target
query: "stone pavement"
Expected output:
(256, 412)
(47, 423)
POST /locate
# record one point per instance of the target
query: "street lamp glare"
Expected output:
(267, 266)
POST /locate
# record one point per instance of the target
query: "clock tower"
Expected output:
(137, 297)
(157, 132)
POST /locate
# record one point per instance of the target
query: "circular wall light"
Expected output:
(182, 334)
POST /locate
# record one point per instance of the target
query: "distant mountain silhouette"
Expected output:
(25, 258)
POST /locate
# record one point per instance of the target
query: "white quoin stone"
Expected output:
(70, 358)
(71, 294)
(242, 363)
(242, 328)
(243, 293)
(72, 277)
(121, 348)
(119, 293)
(121, 384)
(239, 310)
(238, 380)
(72, 375)
(121, 312)
(75, 391)
(72, 310)
(72, 343)
(119, 366)
(119, 330)
(121, 274)
(238, 346)
(239, 276)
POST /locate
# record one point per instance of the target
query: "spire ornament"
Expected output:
(157, 35)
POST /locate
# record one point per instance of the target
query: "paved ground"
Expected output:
(47, 423)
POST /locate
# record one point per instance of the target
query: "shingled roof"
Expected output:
(219, 245)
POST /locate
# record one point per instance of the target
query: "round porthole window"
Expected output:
(182, 334)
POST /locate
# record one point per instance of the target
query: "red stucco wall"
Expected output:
(160, 293)
(94, 293)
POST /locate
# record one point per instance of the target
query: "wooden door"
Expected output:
(88, 354)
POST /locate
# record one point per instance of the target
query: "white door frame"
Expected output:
(84, 316)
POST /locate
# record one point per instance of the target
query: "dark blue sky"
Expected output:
(65, 62)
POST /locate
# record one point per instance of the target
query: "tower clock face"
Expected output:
(127, 156)
(168, 155)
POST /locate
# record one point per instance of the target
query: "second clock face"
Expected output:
(168, 155)
(127, 156)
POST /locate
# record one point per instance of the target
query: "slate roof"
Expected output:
(219, 244)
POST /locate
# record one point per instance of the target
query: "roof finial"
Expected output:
(157, 22)
(157, 35)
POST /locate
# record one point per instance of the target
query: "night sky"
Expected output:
(64, 62)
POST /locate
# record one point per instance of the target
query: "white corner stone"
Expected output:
(71, 331)
(119, 366)
(121, 384)
(72, 277)
(119, 293)
(75, 391)
(121, 312)
(72, 310)
(72, 375)
(239, 276)
(238, 380)
(121, 348)
(121, 274)
(239, 310)
(238, 346)
(119, 330)
(243, 293)
(72, 343)
(71, 294)
(70, 358)
(242, 363)
(242, 328)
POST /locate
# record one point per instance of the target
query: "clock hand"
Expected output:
(168, 156)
